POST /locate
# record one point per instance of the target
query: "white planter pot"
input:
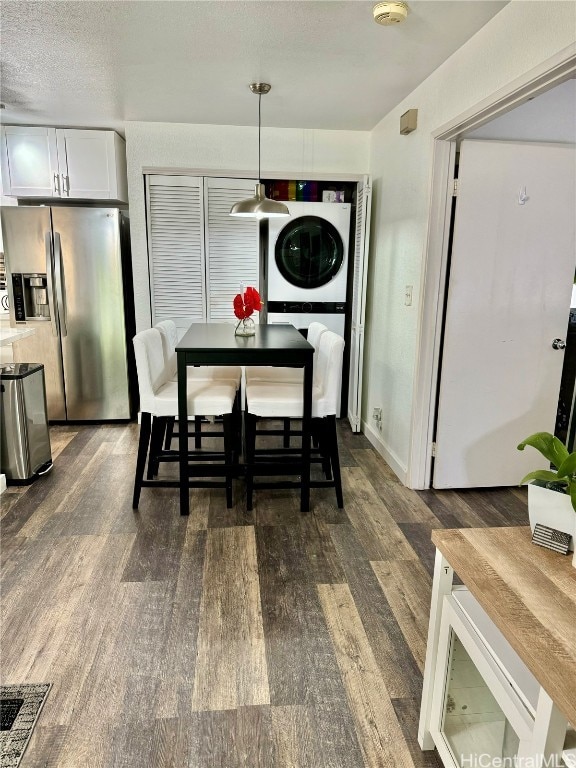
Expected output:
(551, 508)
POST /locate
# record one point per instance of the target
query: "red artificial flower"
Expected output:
(239, 307)
(244, 305)
(252, 297)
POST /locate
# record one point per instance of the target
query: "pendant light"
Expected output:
(259, 206)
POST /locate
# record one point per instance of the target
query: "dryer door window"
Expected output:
(309, 252)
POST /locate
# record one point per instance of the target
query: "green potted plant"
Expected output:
(552, 492)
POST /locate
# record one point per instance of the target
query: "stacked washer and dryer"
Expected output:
(307, 267)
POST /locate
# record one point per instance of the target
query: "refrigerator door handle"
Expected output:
(60, 285)
(50, 283)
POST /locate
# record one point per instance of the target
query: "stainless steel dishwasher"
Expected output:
(24, 437)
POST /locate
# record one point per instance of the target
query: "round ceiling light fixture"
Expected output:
(390, 13)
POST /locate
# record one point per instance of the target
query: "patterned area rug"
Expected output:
(20, 706)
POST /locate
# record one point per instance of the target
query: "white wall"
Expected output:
(226, 148)
(550, 117)
(521, 36)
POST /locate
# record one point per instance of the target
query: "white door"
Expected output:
(175, 212)
(232, 247)
(511, 273)
(30, 162)
(359, 303)
(86, 163)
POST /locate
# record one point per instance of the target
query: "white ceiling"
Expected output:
(98, 64)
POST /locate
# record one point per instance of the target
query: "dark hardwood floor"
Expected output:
(227, 639)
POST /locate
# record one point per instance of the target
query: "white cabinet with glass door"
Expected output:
(481, 703)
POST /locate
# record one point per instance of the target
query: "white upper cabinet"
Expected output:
(30, 162)
(94, 163)
(63, 162)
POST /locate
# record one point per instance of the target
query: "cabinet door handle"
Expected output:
(57, 184)
(66, 184)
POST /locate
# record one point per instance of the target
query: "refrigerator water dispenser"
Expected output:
(30, 297)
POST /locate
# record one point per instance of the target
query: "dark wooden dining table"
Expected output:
(216, 344)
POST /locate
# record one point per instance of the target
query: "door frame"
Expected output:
(546, 75)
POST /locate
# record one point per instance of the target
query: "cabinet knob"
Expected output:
(558, 344)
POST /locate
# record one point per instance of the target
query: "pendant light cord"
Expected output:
(259, 128)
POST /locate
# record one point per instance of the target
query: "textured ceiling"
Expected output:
(99, 64)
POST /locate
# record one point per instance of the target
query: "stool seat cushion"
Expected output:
(205, 398)
(269, 373)
(284, 400)
(231, 373)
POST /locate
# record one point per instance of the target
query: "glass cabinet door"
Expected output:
(473, 724)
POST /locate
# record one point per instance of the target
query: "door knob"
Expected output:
(558, 344)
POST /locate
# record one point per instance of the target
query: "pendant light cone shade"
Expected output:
(259, 206)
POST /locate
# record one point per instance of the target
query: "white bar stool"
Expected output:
(285, 400)
(159, 403)
(228, 373)
(272, 375)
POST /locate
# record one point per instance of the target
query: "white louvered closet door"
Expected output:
(232, 247)
(176, 249)
(359, 303)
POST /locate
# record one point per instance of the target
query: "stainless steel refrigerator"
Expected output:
(68, 283)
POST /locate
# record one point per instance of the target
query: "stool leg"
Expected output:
(335, 459)
(198, 431)
(228, 424)
(321, 439)
(237, 426)
(250, 432)
(286, 433)
(316, 435)
(158, 425)
(143, 442)
(169, 432)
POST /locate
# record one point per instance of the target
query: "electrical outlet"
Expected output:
(377, 416)
(408, 295)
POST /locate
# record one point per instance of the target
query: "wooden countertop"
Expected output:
(529, 593)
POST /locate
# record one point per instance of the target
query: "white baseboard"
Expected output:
(389, 457)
